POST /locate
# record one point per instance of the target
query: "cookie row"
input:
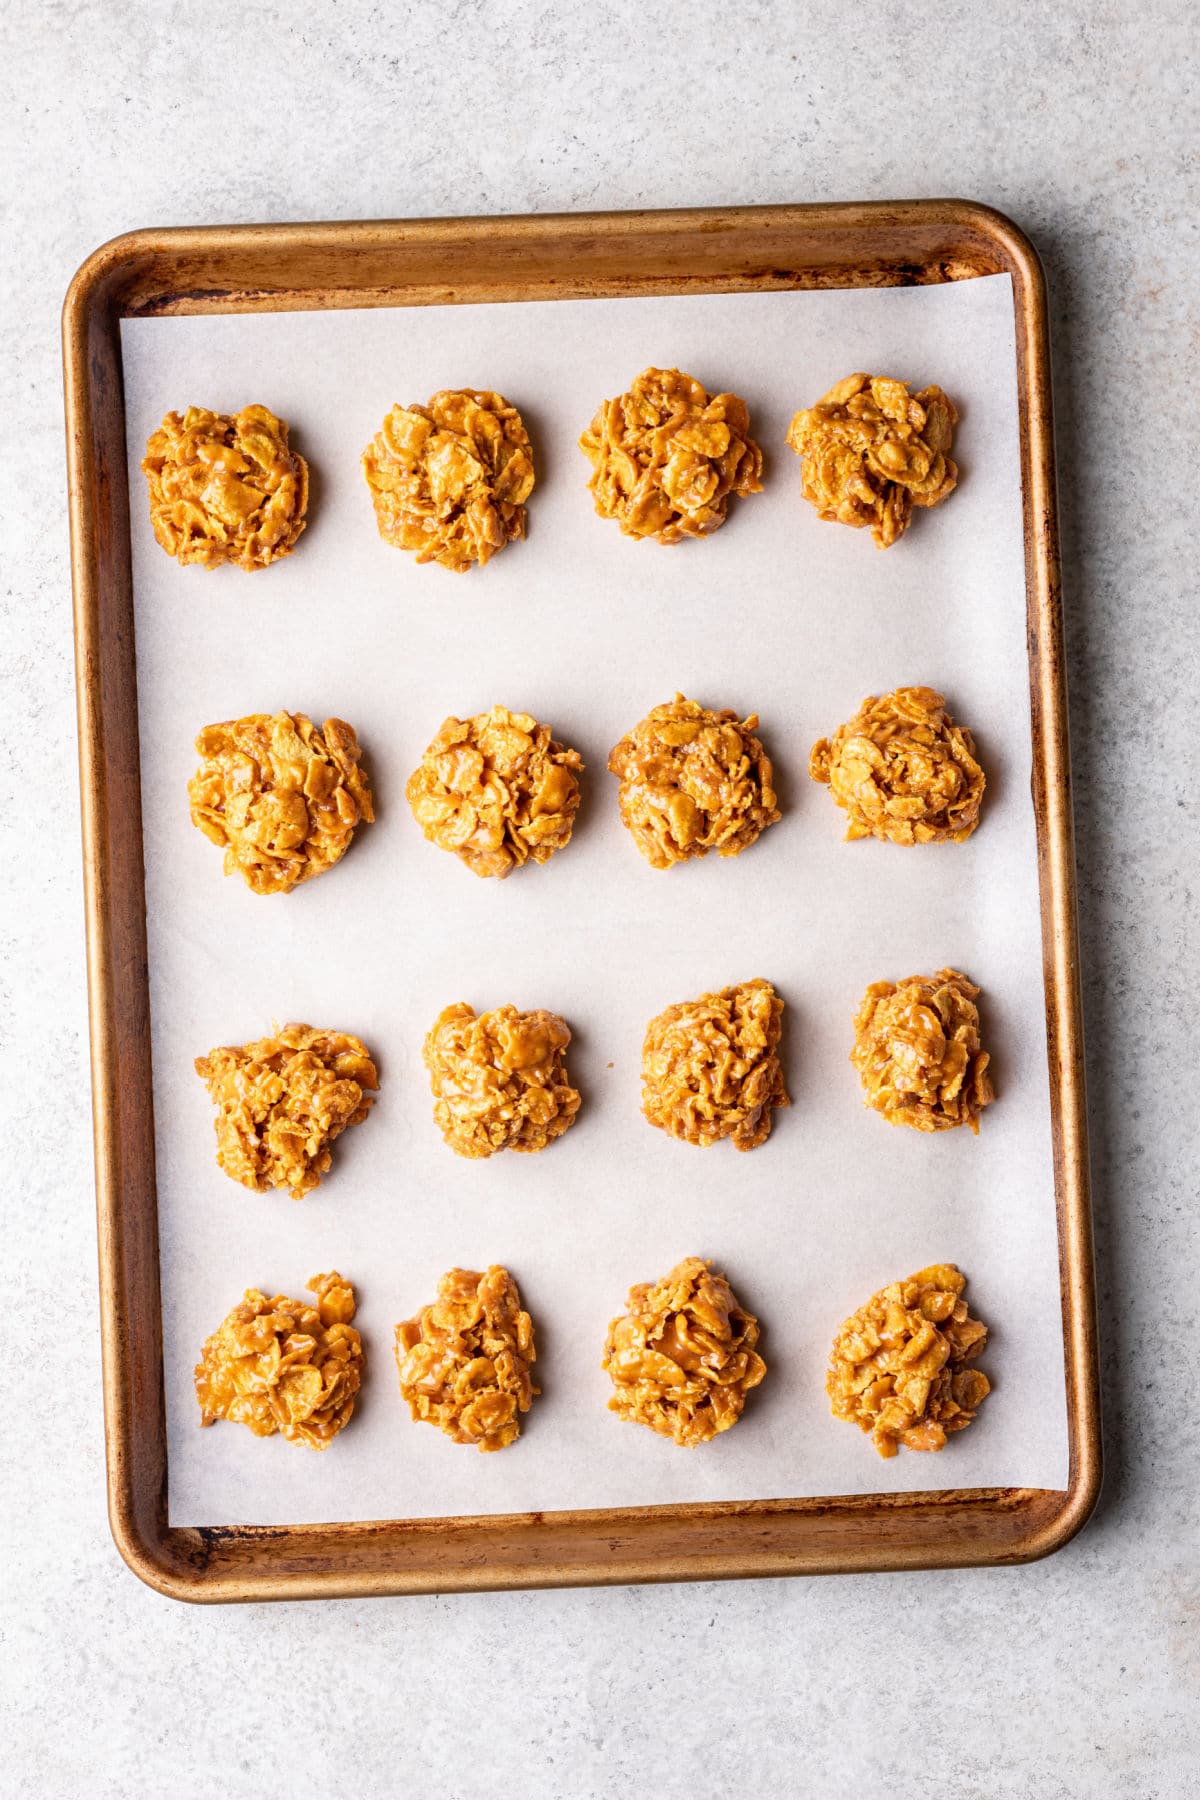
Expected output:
(682, 1359)
(283, 797)
(450, 480)
(711, 1071)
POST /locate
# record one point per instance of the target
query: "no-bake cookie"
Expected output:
(281, 797)
(667, 455)
(282, 1101)
(225, 488)
(280, 1365)
(497, 791)
(464, 1361)
(693, 780)
(682, 1358)
(710, 1067)
(449, 480)
(917, 1052)
(872, 451)
(897, 1367)
(499, 1080)
(902, 770)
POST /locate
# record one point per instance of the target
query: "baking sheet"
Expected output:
(777, 613)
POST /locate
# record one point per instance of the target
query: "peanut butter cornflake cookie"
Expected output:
(902, 770)
(682, 1358)
(499, 1080)
(710, 1067)
(281, 797)
(282, 1101)
(667, 455)
(497, 791)
(449, 480)
(225, 488)
(464, 1361)
(897, 1367)
(917, 1052)
(280, 1365)
(872, 451)
(693, 780)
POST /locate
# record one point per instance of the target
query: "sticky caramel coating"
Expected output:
(282, 1101)
(710, 1068)
(693, 780)
(897, 1369)
(284, 1365)
(464, 1361)
(449, 480)
(497, 791)
(499, 1081)
(682, 1358)
(225, 488)
(279, 796)
(872, 451)
(902, 770)
(667, 455)
(917, 1052)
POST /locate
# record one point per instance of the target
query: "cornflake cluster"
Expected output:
(499, 1081)
(917, 1052)
(450, 480)
(872, 451)
(710, 1067)
(464, 1361)
(282, 1101)
(225, 488)
(666, 456)
(897, 1365)
(283, 1365)
(682, 1358)
(693, 780)
(279, 796)
(497, 790)
(902, 770)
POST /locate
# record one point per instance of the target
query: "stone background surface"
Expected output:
(1078, 1676)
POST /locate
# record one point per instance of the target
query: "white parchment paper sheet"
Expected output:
(777, 613)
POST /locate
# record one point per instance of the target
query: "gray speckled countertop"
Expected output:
(1078, 1676)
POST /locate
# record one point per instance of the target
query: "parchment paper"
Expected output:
(777, 613)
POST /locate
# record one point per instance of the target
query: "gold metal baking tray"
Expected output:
(448, 261)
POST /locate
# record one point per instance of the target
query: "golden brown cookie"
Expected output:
(667, 455)
(872, 451)
(902, 770)
(284, 1365)
(497, 791)
(499, 1080)
(917, 1052)
(225, 488)
(710, 1067)
(693, 780)
(464, 1361)
(682, 1358)
(279, 796)
(282, 1101)
(449, 480)
(897, 1365)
